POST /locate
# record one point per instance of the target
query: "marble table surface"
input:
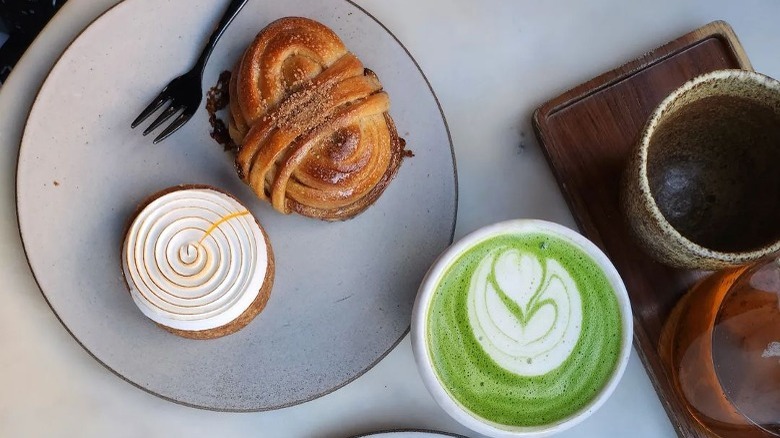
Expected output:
(491, 62)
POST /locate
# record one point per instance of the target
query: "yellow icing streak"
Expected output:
(224, 219)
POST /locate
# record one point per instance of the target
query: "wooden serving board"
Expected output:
(587, 134)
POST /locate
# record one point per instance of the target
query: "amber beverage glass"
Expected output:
(721, 346)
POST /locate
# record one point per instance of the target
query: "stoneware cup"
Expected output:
(702, 187)
(422, 305)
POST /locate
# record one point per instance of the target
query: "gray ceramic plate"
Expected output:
(343, 292)
(409, 434)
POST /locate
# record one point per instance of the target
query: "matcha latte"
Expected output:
(523, 326)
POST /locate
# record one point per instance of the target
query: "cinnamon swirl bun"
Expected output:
(312, 125)
(197, 262)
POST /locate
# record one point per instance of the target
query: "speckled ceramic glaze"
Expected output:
(701, 188)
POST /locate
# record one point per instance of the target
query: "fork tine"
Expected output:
(165, 115)
(177, 123)
(154, 106)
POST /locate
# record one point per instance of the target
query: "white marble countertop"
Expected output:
(491, 63)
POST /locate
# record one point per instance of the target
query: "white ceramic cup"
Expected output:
(420, 320)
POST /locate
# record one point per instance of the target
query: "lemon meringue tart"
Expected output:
(197, 262)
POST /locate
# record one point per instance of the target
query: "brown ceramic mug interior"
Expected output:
(713, 163)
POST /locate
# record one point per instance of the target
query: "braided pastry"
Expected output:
(311, 123)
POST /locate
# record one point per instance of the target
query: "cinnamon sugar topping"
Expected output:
(305, 108)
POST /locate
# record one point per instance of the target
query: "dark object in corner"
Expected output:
(22, 20)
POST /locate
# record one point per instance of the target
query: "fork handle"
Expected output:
(230, 13)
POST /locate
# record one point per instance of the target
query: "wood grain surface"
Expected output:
(587, 134)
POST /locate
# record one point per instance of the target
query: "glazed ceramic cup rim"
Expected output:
(735, 257)
(422, 305)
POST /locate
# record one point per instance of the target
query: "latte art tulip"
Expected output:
(524, 329)
(526, 312)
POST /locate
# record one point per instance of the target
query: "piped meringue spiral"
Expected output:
(195, 259)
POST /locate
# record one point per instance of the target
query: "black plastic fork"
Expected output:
(185, 92)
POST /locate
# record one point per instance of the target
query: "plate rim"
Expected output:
(389, 431)
(148, 390)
